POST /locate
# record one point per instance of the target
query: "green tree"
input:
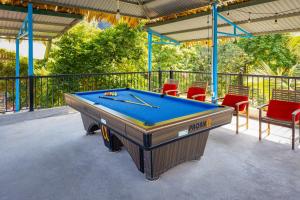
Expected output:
(87, 49)
(233, 59)
(271, 49)
(70, 53)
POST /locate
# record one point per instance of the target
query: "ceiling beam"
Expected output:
(149, 1)
(35, 22)
(279, 31)
(75, 21)
(144, 8)
(255, 34)
(12, 36)
(35, 30)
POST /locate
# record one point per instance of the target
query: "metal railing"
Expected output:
(48, 90)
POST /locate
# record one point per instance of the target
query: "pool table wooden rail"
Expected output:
(136, 131)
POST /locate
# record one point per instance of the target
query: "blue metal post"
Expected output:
(30, 56)
(17, 108)
(149, 58)
(215, 53)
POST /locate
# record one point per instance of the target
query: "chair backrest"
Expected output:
(236, 93)
(238, 90)
(286, 95)
(170, 84)
(172, 81)
(200, 84)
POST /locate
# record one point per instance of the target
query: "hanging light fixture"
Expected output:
(249, 19)
(276, 20)
(118, 15)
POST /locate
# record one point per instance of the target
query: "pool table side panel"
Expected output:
(158, 135)
(159, 160)
(93, 115)
(219, 118)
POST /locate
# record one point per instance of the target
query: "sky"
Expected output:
(38, 48)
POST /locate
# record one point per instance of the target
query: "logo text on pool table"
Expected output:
(202, 124)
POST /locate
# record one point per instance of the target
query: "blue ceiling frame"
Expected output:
(164, 40)
(26, 30)
(237, 32)
(216, 33)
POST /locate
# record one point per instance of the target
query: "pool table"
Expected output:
(158, 131)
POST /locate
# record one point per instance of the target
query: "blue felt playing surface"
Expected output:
(169, 107)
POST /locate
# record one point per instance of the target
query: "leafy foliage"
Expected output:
(8, 67)
(86, 49)
(271, 49)
(120, 48)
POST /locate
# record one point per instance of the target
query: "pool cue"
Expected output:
(140, 100)
(124, 101)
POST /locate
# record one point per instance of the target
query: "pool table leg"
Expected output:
(149, 166)
(89, 124)
(161, 159)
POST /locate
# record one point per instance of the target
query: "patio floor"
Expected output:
(52, 158)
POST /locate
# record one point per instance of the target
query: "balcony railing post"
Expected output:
(171, 73)
(149, 80)
(31, 95)
(240, 78)
(159, 78)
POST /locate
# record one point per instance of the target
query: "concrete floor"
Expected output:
(52, 158)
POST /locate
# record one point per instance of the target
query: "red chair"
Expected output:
(238, 99)
(170, 87)
(283, 110)
(197, 91)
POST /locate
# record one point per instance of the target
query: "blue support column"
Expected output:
(149, 58)
(30, 57)
(17, 100)
(215, 53)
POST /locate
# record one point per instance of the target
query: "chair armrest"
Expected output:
(241, 103)
(294, 114)
(262, 106)
(217, 99)
(237, 105)
(198, 95)
(168, 91)
(156, 89)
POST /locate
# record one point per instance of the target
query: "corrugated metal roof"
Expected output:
(191, 27)
(262, 14)
(46, 24)
(136, 8)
